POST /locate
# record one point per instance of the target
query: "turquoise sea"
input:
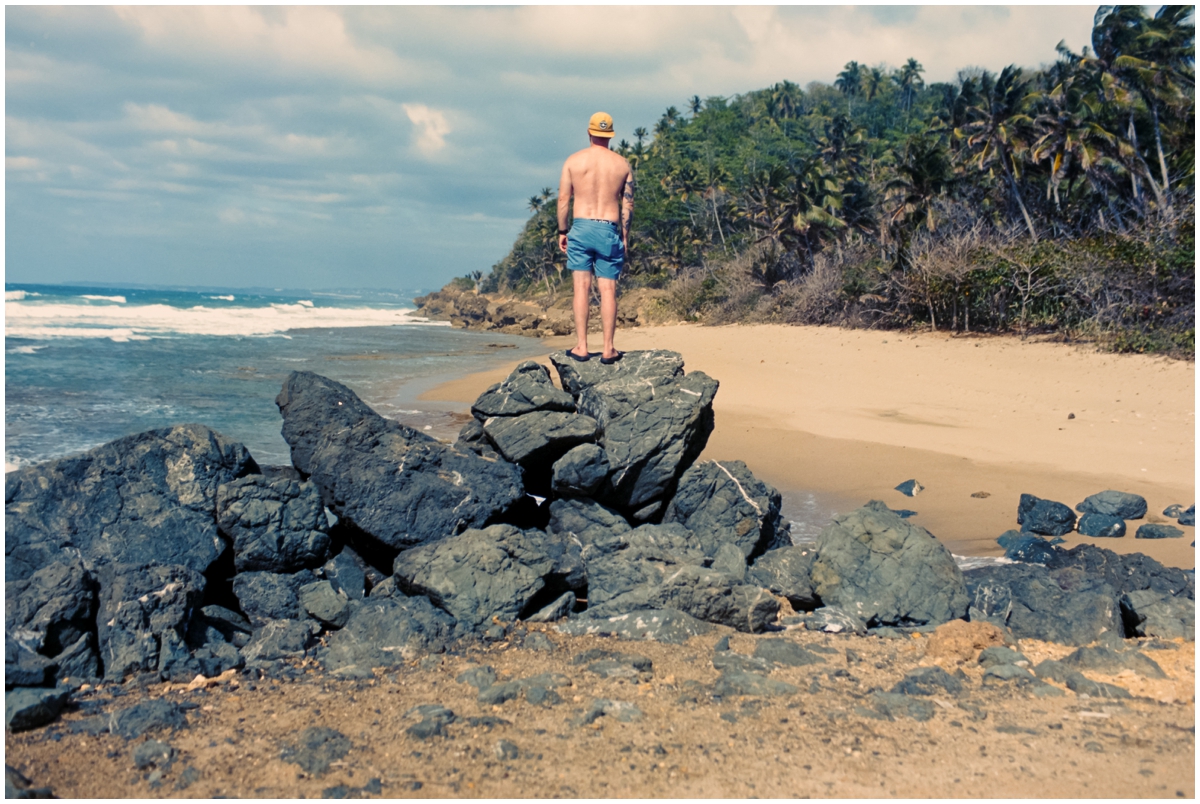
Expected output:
(84, 365)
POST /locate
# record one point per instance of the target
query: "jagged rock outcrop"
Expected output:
(497, 572)
(393, 483)
(887, 571)
(723, 502)
(145, 498)
(276, 524)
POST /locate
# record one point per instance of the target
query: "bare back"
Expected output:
(597, 179)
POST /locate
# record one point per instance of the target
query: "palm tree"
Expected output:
(998, 129)
(908, 79)
(873, 82)
(535, 204)
(923, 174)
(694, 105)
(640, 134)
(849, 83)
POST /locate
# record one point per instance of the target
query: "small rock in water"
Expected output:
(1046, 517)
(1188, 517)
(1174, 511)
(910, 488)
(1150, 531)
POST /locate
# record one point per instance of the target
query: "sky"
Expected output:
(389, 147)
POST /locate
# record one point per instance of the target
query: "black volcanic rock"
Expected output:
(652, 430)
(723, 502)
(638, 366)
(277, 524)
(540, 436)
(1046, 517)
(145, 498)
(528, 389)
(52, 610)
(1069, 606)
(145, 611)
(393, 483)
(1119, 504)
(787, 572)
(580, 472)
(495, 572)
(887, 571)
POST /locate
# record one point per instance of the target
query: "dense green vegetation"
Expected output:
(1052, 200)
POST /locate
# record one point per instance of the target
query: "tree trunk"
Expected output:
(1012, 183)
(1162, 162)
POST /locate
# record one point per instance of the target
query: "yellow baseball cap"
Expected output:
(601, 125)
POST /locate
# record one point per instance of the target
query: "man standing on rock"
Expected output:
(601, 183)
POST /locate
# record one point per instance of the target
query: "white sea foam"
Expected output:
(223, 298)
(139, 322)
(14, 295)
(25, 350)
(117, 299)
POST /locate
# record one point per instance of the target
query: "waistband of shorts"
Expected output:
(595, 220)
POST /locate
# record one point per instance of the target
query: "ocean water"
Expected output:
(86, 365)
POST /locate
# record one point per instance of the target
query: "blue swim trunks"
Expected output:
(594, 245)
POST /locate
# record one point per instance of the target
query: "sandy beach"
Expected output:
(835, 417)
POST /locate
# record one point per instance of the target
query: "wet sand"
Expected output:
(834, 418)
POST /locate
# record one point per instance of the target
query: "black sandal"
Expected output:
(576, 357)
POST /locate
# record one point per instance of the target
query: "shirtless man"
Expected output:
(602, 185)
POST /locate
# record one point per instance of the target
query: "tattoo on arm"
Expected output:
(627, 204)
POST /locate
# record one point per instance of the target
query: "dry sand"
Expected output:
(836, 417)
(823, 739)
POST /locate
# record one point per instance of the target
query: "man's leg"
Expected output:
(608, 313)
(583, 294)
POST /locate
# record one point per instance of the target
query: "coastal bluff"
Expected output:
(172, 556)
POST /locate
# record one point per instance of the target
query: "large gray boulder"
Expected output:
(266, 596)
(652, 431)
(1068, 606)
(787, 572)
(580, 472)
(145, 498)
(528, 389)
(1047, 517)
(640, 365)
(538, 437)
(277, 524)
(639, 558)
(706, 594)
(52, 610)
(1119, 504)
(145, 611)
(886, 570)
(723, 502)
(384, 631)
(1148, 613)
(397, 485)
(495, 572)
(595, 526)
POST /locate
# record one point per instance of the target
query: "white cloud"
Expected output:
(432, 127)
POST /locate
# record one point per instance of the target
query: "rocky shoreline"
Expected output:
(544, 317)
(155, 572)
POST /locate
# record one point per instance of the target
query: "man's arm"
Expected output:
(627, 208)
(565, 189)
